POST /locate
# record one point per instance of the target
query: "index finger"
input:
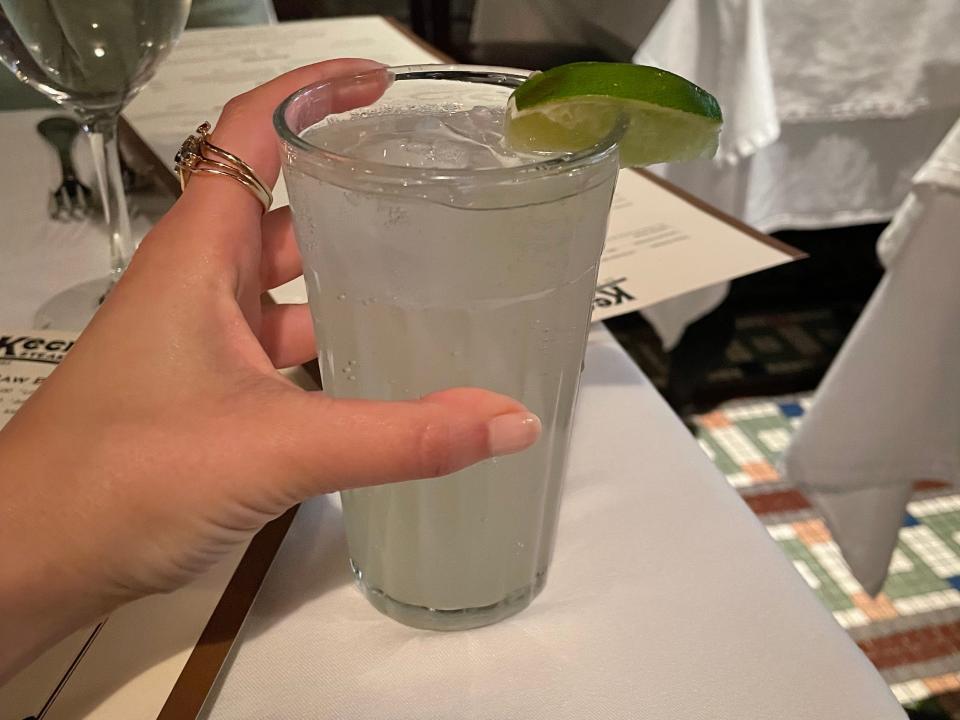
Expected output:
(245, 127)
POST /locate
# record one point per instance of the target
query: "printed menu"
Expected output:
(26, 359)
(662, 242)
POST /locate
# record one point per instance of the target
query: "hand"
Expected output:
(167, 436)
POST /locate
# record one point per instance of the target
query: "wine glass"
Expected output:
(91, 56)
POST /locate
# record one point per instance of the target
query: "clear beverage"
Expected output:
(465, 265)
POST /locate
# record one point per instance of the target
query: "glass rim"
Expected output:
(489, 75)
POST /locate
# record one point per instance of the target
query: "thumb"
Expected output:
(335, 444)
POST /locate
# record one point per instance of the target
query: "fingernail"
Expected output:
(513, 433)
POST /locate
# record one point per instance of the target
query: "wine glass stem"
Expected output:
(106, 159)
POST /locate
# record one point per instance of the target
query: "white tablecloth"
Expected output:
(835, 105)
(888, 412)
(666, 599)
(829, 107)
(41, 258)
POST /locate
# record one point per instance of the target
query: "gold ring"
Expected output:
(198, 155)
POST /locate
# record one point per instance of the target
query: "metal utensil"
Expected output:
(72, 200)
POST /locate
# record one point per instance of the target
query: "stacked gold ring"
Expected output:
(198, 155)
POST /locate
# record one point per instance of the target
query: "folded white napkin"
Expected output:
(888, 412)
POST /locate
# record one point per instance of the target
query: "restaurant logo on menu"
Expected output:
(36, 349)
(610, 294)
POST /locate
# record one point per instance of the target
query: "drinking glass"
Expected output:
(92, 56)
(434, 257)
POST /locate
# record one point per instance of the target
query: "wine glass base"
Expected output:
(73, 308)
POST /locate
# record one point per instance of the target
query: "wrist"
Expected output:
(38, 608)
(46, 591)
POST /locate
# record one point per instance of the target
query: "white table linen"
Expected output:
(666, 599)
(838, 104)
(888, 412)
(40, 257)
(830, 108)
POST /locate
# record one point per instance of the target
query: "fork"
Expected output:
(72, 200)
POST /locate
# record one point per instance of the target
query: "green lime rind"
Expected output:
(617, 80)
(663, 117)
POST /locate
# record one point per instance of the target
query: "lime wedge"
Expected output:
(573, 107)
